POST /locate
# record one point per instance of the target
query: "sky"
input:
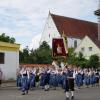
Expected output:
(25, 19)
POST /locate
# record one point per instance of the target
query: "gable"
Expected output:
(86, 44)
(50, 31)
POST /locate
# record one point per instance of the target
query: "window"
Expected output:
(90, 48)
(75, 43)
(1, 58)
(82, 49)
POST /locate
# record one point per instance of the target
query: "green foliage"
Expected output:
(44, 45)
(93, 61)
(71, 59)
(98, 69)
(79, 60)
(5, 38)
(41, 55)
(44, 53)
(24, 55)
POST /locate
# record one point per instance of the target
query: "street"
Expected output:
(12, 93)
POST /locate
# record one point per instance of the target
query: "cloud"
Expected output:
(25, 19)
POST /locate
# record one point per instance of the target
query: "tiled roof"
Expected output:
(34, 65)
(96, 42)
(75, 28)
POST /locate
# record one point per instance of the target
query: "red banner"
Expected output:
(58, 48)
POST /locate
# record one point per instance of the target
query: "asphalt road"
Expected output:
(12, 93)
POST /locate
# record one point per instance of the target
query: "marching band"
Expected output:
(52, 77)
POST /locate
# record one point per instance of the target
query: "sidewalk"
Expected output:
(8, 84)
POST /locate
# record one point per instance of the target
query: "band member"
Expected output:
(32, 77)
(60, 78)
(25, 78)
(46, 79)
(78, 78)
(42, 77)
(86, 78)
(37, 78)
(97, 76)
(53, 77)
(19, 77)
(69, 83)
(92, 77)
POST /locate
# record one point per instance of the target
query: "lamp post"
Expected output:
(97, 13)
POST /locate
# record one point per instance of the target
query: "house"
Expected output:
(9, 59)
(74, 29)
(88, 47)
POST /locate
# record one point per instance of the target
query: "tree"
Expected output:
(44, 45)
(76, 59)
(41, 55)
(24, 55)
(81, 61)
(93, 61)
(12, 40)
(71, 59)
(21, 57)
(6, 38)
(33, 58)
(44, 53)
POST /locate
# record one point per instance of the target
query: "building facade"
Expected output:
(9, 59)
(87, 47)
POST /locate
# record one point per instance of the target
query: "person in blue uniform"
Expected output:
(37, 79)
(59, 78)
(86, 78)
(31, 81)
(92, 78)
(25, 78)
(42, 77)
(97, 78)
(19, 77)
(53, 78)
(78, 79)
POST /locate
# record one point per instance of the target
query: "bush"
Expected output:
(98, 69)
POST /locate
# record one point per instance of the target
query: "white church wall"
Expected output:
(50, 31)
